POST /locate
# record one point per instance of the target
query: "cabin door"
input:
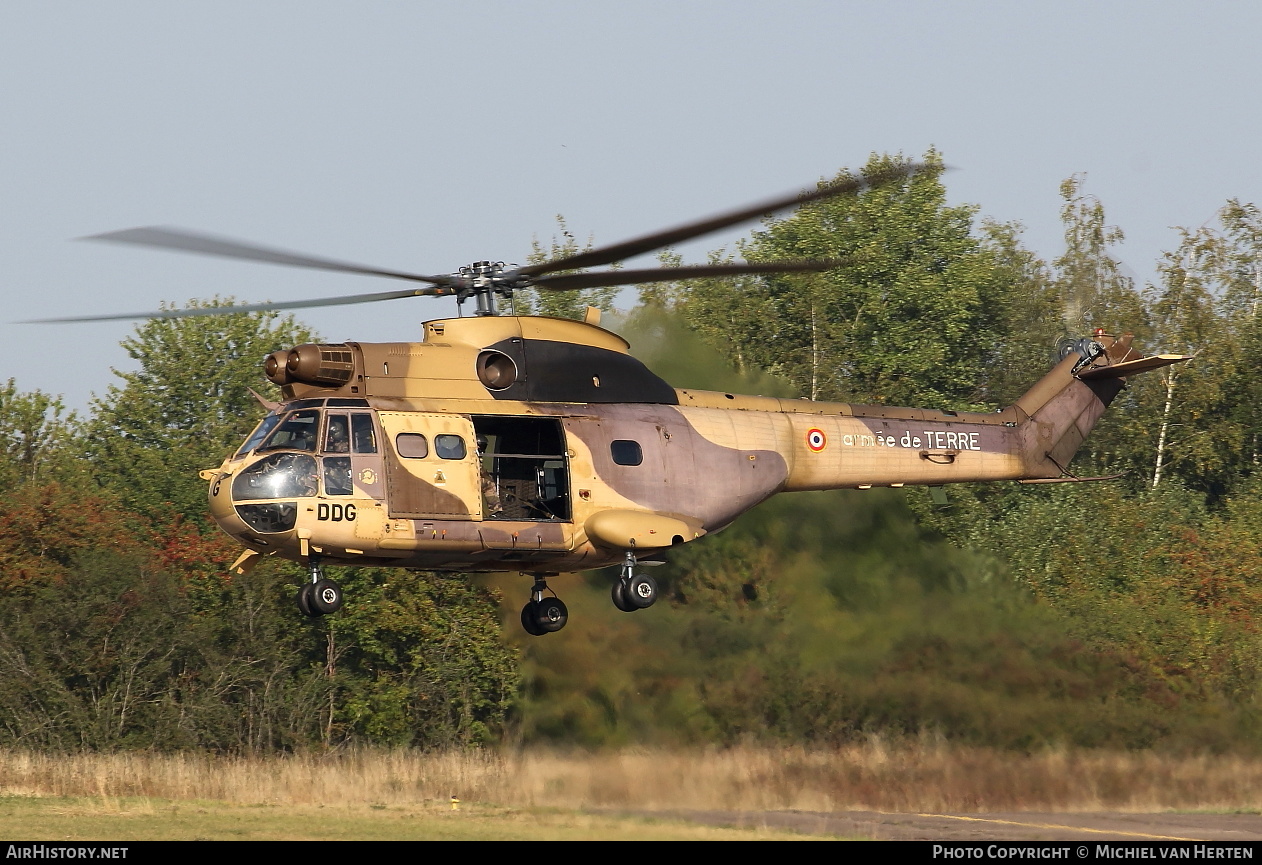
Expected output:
(525, 469)
(431, 466)
(526, 487)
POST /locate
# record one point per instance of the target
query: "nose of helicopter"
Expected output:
(261, 496)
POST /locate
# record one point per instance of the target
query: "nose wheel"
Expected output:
(632, 591)
(319, 596)
(543, 615)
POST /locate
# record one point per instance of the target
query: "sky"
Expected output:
(423, 136)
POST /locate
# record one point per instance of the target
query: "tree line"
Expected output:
(1117, 613)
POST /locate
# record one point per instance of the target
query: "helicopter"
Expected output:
(540, 445)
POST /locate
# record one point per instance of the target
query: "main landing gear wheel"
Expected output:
(326, 597)
(319, 596)
(551, 614)
(619, 595)
(530, 621)
(632, 591)
(641, 591)
(304, 601)
(543, 615)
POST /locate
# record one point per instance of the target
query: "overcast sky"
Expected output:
(424, 135)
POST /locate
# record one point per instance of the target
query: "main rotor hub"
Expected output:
(483, 280)
(489, 269)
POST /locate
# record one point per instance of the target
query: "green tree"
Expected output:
(1026, 315)
(1240, 277)
(119, 654)
(186, 405)
(906, 321)
(35, 432)
(562, 304)
(1093, 290)
(731, 314)
(1190, 425)
(419, 660)
(1094, 293)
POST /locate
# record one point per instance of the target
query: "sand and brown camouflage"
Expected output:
(621, 460)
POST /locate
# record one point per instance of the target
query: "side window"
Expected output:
(626, 452)
(337, 437)
(412, 445)
(362, 435)
(337, 476)
(449, 447)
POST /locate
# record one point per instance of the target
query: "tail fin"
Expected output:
(1062, 408)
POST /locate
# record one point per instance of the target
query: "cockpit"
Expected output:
(306, 449)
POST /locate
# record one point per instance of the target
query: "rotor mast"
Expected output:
(483, 280)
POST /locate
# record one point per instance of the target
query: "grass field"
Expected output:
(139, 819)
(545, 794)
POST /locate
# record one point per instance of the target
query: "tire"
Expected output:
(326, 597)
(642, 591)
(551, 615)
(304, 602)
(530, 621)
(618, 594)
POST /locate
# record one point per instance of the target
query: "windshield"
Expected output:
(277, 476)
(260, 433)
(298, 432)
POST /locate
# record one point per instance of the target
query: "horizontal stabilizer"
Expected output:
(1131, 367)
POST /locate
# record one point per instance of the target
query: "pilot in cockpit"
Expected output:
(338, 440)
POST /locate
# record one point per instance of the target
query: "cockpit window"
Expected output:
(362, 434)
(337, 476)
(277, 476)
(337, 437)
(260, 433)
(298, 432)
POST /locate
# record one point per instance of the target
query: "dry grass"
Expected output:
(872, 776)
(125, 820)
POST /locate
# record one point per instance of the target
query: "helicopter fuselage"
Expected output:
(539, 445)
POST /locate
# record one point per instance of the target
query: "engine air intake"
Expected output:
(313, 364)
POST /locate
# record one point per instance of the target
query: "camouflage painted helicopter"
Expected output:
(539, 445)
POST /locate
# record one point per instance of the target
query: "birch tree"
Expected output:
(1185, 321)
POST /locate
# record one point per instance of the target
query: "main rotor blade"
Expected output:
(571, 281)
(437, 291)
(205, 244)
(657, 240)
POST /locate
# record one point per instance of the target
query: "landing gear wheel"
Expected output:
(551, 614)
(326, 597)
(642, 591)
(530, 620)
(304, 602)
(619, 595)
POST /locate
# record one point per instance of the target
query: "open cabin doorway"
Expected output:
(525, 473)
